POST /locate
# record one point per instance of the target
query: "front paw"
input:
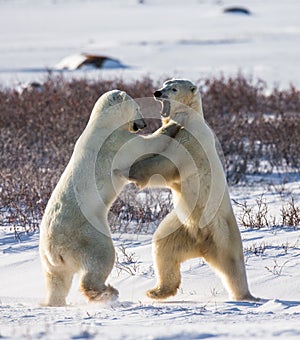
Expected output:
(172, 129)
(126, 174)
(121, 173)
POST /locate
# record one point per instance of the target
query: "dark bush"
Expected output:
(257, 132)
(39, 127)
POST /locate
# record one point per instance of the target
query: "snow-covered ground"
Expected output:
(189, 39)
(200, 310)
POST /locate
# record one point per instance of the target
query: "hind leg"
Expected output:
(225, 255)
(58, 285)
(96, 268)
(232, 271)
(172, 245)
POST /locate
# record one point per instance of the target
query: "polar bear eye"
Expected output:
(174, 90)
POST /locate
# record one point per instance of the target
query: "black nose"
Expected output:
(157, 94)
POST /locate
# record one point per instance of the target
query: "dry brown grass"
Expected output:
(257, 216)
(38, 129)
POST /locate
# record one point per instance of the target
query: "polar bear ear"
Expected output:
(117, 97)
(193, 88)
(168, 81)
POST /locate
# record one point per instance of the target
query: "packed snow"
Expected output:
(190, 39)
(200, 310)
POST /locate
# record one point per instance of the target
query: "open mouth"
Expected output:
(138, 125)
(166, 107)
(135, 128)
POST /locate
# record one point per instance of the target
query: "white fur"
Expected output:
(202, 223)
(75, 235)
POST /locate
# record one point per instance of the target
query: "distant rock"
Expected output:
(29, 87)
(84, 60)
(237, 10)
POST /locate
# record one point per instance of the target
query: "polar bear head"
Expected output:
(116, 109)
(176, 96)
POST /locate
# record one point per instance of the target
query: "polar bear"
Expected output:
(74, 233)
(202, 223)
